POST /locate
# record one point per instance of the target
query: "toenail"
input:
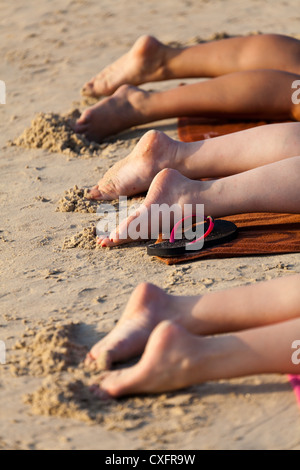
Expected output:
(102, 394)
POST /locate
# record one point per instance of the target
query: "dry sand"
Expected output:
(47, 51)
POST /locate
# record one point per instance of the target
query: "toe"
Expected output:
(85, 118)
(122, 382)
(104, 360)
(104, 242)
(100, 195)
(108, 243)
(96, 389)
(111, 242)
(100, 394)
(95, 194)
(89, 360)
(80, 128)
(125, 232)
(88, 89)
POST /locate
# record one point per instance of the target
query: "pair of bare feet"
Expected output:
(241, 70)
(172, 359)
(165, 166)
(190, 340)
(145, 62)
(151, 166)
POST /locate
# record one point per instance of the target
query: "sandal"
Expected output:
(215, 232)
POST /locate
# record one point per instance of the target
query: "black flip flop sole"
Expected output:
(223, 232)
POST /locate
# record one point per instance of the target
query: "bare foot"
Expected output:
(134, 174)
(147, 306)
(169, 187)
(122, 110)
(143, 63)
(173, 359)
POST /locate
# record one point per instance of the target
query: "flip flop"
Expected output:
(215, 233)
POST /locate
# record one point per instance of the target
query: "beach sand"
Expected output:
(58, 298)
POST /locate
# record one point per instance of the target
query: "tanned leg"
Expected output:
(259, 94)
(150, 60)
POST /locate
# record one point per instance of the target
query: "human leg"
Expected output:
(269, 188)
(150, 60)
(211, 158)
(259, 94)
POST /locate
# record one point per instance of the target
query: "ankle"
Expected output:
(156, 301)
(141, 102)
(170, 66)
(186, 161)
(155, 55)
(212, 194)
(220, 358)
(184, 312)
(228, 357)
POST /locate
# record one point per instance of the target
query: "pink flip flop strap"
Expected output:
(295, 382)
(208, 231)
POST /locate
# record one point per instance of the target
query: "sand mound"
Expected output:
(68, 396)
(47, 349)
(55, 351)
(62, 397)
(86, 239)
(54, 132)
(75, 200)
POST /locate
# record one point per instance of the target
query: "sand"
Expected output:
(85, 239)
(48, 290)
(76, 200)
(54, 350)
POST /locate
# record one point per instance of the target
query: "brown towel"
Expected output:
(191, 129)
